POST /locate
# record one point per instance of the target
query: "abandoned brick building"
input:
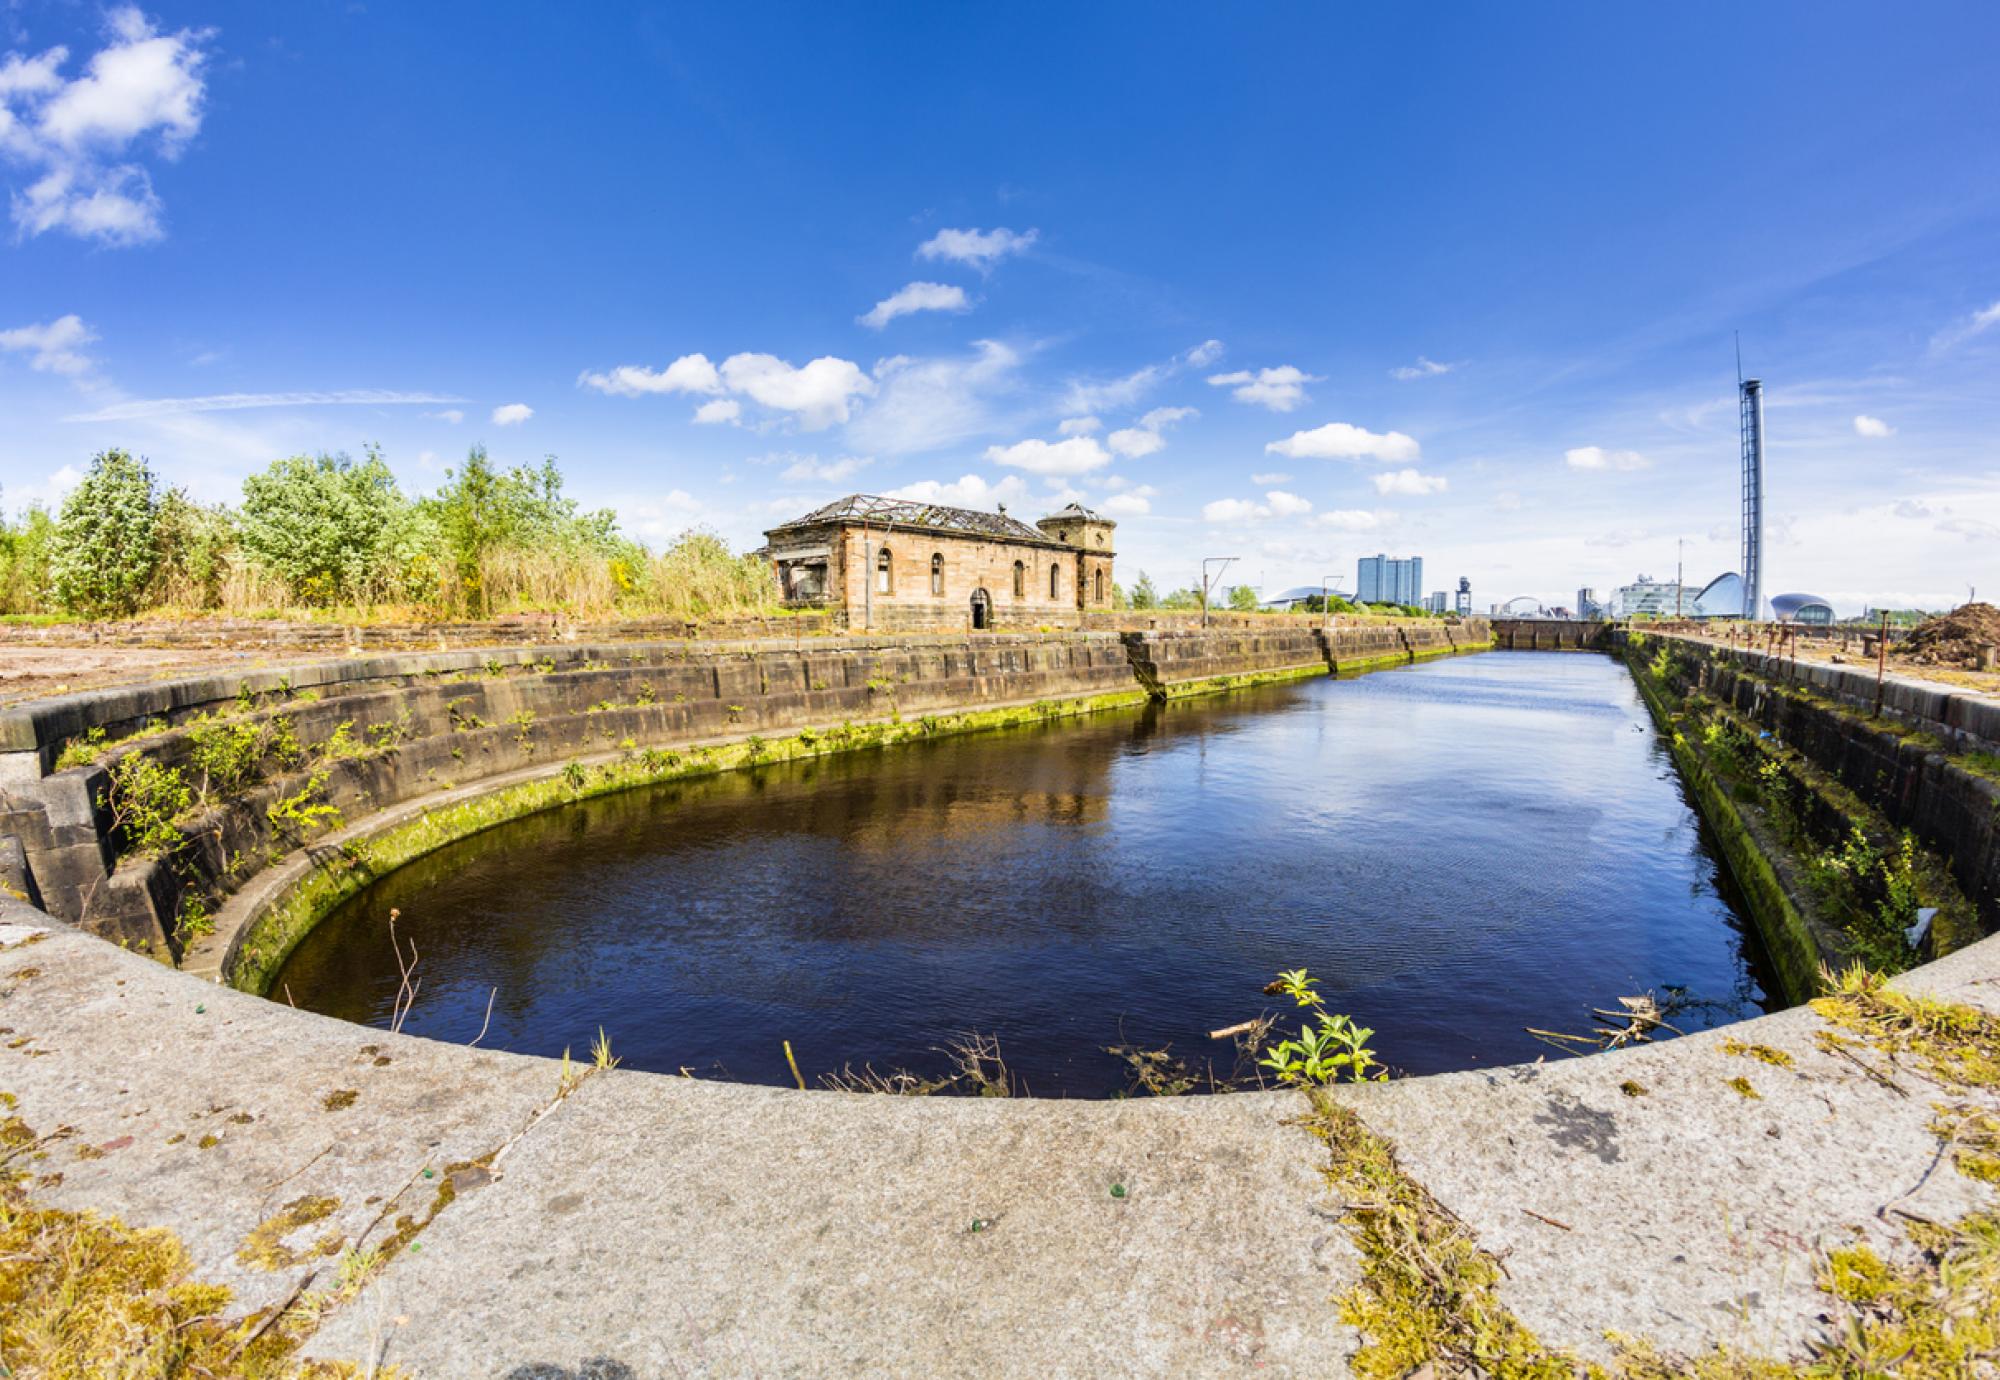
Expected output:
(887, 564)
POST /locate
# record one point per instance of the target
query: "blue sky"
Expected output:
(1288, 283)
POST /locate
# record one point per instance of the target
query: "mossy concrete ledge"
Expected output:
(540, 1221)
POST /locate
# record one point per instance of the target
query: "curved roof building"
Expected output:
(1721, 597)
(1801, 608)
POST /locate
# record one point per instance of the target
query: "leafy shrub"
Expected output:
(1325, 1046)
(104, 554)
(146, 798)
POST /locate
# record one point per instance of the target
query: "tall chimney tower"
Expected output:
(1751, 404)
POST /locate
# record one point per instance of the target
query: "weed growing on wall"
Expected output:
(146, 798)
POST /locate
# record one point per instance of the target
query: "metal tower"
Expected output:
(1751, 406)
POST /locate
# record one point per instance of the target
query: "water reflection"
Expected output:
(1459, 850)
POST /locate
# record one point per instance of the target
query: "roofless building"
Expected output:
(891, 564)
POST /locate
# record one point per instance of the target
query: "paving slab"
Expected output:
(684, 1228)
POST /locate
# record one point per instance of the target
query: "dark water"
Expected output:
(1458, 850)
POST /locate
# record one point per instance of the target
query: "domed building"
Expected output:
(1721, 597)
(1808, 609)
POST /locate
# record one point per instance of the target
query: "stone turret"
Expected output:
(1077, 526)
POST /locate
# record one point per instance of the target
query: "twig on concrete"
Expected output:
(1550, 1220)
(296, 1172)
(271, 1317)
(388, 1205)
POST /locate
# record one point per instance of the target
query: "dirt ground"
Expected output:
(31, 673)
(1831, 648)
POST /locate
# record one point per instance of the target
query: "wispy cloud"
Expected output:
(1976, 324)
(981, 249)
(1598, 458)
(1874, 428)
(1410, 482)
(512, 414)
(236, 402)
(1143, 437)
(1422, 369)
(54, 347)
(916, 297)
(1280, 389)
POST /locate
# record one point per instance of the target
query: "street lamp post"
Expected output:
(1223, 563)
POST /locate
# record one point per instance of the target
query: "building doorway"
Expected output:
(982, 611)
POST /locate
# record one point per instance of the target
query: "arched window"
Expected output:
(1100, 587)
(937, 575)
(883, 581)
(1055, 582)
(1020, 581)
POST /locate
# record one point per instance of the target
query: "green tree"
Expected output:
(1242, 599)
(105, 551)
(1144, 596)
(25, 547)
(196, 545)
(322, 523)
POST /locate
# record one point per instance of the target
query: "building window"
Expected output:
(937, 575)
(1100, 586)
(1055, 582)
(883, 583)
(1020, 581)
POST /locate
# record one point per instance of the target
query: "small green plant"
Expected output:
(735, 713)
(146, 798)
(81, 750)
(193, 920)
(294, 816)
(463, 720)
(1323, 1049)
(282, 742)
(226, 753)
(574, 776)
(647, 694)
(523, 722)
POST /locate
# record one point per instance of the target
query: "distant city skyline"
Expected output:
(1475, 299)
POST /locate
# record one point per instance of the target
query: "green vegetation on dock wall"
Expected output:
(1788, 936)
(1829, 881)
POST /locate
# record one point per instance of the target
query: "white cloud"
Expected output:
(1134, 504)
(915, 297)
(1353, 519)
(1280, 389)
(1972, 529)
(1080, 426)
(1910, 508)
(980, 248)
(55, 347)
(453, 415)
(831, 471)
(1204, 354)
(1339, 441)
(1143, 438)
(1277, 503)
(1422, 369)
(688, 374)
(1410, 482)
(1507, 501)
(1233, 510)
(929, 403)
(969, 491)
(1076, 455)
(819, 393)
(1272, 477)
(1598, 458)
(1872, 427)
(237, 402)
(1977, 323)
(660, 517)
(718, 410)
(1103, 395)
(512, 414)
(76, 137)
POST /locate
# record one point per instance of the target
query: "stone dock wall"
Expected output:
(1926, 764)
(341, 741)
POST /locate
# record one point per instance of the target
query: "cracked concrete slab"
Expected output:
(679, 1227)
